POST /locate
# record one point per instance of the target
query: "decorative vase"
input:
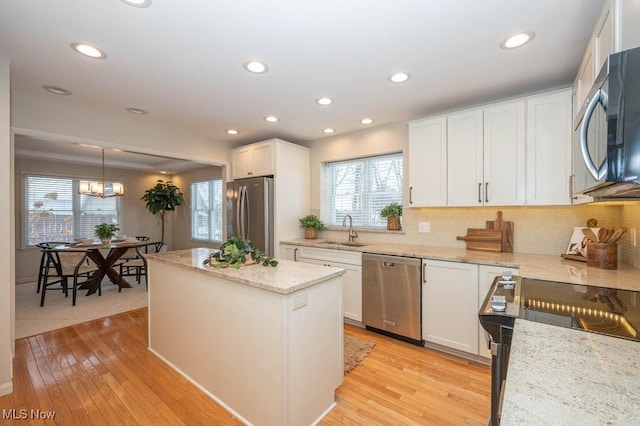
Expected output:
(311, 233)
(393, 223)
(105, 241)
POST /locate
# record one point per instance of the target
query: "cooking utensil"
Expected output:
(601, 233)
(617, 234)
(608, 232)
(592, 223)
(588, 232)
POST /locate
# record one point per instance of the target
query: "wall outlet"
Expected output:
(632, 237)
(424, 227)
(300, 301)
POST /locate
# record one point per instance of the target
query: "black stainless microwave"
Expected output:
(614, 108)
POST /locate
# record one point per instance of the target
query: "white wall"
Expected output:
(545, 230)
(7, 294)
(181, 218)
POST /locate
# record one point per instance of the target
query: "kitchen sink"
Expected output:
(340, 243)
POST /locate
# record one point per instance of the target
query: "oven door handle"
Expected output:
(598, 173)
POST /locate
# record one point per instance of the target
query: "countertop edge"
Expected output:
(536, 266)
(235, 275)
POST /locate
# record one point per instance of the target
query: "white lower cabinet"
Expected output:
(289, 252)
(486, 274)
(450, 304)
(452, 293)
(350, 261)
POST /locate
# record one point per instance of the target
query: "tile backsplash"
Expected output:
(543, 230)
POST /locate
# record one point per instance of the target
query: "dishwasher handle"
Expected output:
(389, 264)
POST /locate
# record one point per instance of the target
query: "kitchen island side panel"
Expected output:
(242, 344)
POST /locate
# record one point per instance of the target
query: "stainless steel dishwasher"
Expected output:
(391, 296)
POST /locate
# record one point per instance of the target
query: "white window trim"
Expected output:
(222, 215)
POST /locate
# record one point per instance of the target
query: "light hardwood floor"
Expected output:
(100, 372)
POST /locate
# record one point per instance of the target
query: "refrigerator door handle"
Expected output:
(240, 212)
(245, 212)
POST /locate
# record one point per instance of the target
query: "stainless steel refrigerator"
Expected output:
(250, 211)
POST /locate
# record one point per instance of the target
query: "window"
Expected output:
(54, 211)
(361, 188)
(206, 210)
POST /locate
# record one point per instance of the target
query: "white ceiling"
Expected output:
(182, 60)
(38, 149)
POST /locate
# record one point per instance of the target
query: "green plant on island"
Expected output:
(391, 210)
(313, 222)
(105, 231)
(238, 251)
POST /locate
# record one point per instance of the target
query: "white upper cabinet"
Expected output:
(428, 162)
(464, 162)
(253, 160)
(548, 155)
(486, 149)
(504, 152)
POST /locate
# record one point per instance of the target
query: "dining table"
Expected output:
(117, 248)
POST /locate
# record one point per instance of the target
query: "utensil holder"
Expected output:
(602, 255)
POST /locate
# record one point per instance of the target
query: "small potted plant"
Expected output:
(392, 212)
(312, 225)
(106, 231)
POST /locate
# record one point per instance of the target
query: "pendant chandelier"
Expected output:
(101, 188)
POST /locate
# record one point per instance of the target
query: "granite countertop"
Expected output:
(537, 266)
(562, 376)
(288, 277)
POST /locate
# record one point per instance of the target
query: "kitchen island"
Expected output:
(266, 343)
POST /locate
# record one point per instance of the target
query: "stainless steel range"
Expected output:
(593, 309)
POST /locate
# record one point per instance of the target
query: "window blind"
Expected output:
(206, 210)
(54, 211)
(361, 188)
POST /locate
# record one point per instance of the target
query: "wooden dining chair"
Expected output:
(63, 267)
(44, 259)
(138, 267)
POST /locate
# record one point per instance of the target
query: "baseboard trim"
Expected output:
(6, 388)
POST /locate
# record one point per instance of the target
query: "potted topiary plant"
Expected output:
(106, 231)
(312, 225)
(392, 212)
(161, 199)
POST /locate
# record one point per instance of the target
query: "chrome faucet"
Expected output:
(352, 234)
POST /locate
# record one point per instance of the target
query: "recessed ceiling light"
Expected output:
(366, 121)
(137, 3)
(271, 118)
(232, 132)
(137, 111)
(56, 90)
(324, 101)
(517, 40)
(164, 172)
(328, 130)
(256, 67)
(116, 150)
(88, 50)
(399, 77)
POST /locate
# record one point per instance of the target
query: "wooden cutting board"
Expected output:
(483, 239)
(507, 231)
